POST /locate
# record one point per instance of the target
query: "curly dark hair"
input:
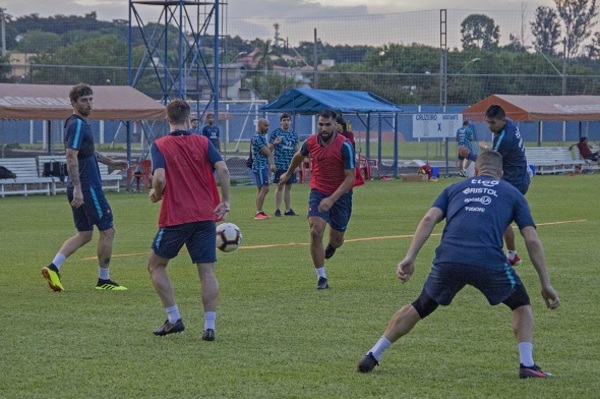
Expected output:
(80, 90)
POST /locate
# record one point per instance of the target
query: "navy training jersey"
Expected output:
(212, 133)
(477, 211)
(509, 144)
(78, 136)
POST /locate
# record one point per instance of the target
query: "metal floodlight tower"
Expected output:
(175, 62)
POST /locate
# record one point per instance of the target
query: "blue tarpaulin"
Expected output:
(311, 101)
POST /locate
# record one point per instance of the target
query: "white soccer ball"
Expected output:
(229, 237)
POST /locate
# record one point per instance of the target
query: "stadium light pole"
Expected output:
(562, 74)
(444, 91)
(467, 64)
(3, 32)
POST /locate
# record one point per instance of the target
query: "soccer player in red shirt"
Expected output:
(330, 200)
(183, 179)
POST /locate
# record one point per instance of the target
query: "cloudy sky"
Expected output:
(118, 9)
(254, 18)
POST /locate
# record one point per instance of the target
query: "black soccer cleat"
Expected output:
(169, 328)
(533, 372)
(367, 364)
(208, 335)
(329, 251)
(322, 284)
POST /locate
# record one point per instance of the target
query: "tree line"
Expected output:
(564, 45)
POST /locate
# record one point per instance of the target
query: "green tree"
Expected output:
(101, 55)
(593, 49)
(515, 43)
(39, 42)
(10, 32)
(5, 69)
(268, 85)
(479, 32)
(578, 19)
(546, 30)
(263, 55)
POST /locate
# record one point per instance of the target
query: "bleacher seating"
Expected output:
(110, 181)
(28, 180)
(551, 160)
(59, 186)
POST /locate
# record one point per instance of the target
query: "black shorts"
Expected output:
(447, 279)
(95, 211)
(277, 175)
(200, 239)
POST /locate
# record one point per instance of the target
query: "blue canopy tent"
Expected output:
(312, 101)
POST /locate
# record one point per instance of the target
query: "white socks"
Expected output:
(321, 272)
(209, 320)
(526, 354)
(173, 313)
(103, 274)
(380, 347)
(59, 259)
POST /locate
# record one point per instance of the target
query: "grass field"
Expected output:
(433, 150)
(277, 337)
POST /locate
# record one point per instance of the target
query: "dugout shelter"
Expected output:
(51, 102)
(361, 104)
(540, 109)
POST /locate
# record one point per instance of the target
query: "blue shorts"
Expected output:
(523, 188)
(445, 280)
(200, 239)
(95, 211)
(339, 214)
(293, 177)
(262, 177)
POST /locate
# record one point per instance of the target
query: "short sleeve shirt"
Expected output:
(212, 133)
(464, 136)
(284, 151)
(259, 160)
(509, 144)
(78, 136)
(477, 211)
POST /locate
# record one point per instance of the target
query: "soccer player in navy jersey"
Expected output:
(477, 212)
(84, 192)
(183, 165)
(330, 199)
(211, 131)
(283, 152)
(509, 143)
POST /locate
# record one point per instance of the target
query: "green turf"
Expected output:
(432, 150)
(277, 337)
